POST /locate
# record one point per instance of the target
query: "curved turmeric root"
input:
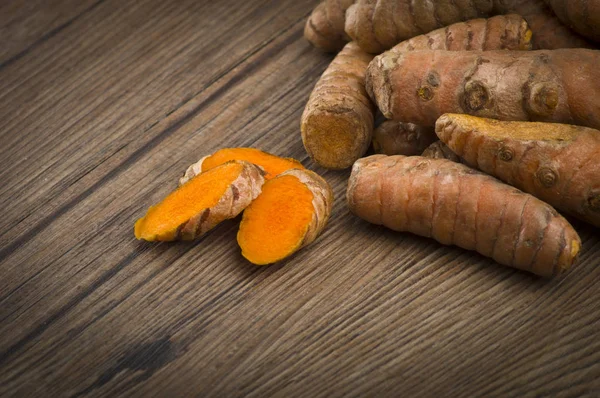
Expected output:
(397, 138)
(203, 202)
(271, 164)
(439, 150)
(324, 28)
(457, 205)
(583, 16)
(549, 86)
(557, 163)
(289, 214)
(337, 123)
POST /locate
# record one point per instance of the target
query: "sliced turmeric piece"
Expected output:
(289, 214)
(557, 163)
(271, 164)
(457, 205)
(201, 203)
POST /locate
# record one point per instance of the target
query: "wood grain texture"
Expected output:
(99, 118)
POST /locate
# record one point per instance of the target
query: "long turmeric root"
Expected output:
(457, 205)
(397, 138)
(200, 204)
(325, 27)
(552, 86)
(289, 214)
(377, 25)
(583, 16)
(557, 163)
(337, 123)
(271, 164)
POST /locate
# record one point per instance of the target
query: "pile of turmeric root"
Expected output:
(492, 108)
(492, 111)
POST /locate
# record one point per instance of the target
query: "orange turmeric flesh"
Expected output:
(272, 164)
(201, 203)
(276, 223)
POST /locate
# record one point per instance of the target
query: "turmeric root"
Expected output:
(457, 205)
(502, 32)
(549, 32)
(289, 214)
(439, 150)
(552, 86)
(583, 16)
(337, 123)
(271, 164)
(377, 25)
(555, 162)
(397, 138)
(324, 29)
(203, 202)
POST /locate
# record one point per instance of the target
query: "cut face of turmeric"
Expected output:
(271, 164)
(457, 205)
(557, 163)
(291, 211)
(200, 204)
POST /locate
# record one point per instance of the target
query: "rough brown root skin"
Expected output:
(439, 150)
(290, 213)
(457, 205)
(208, 199)
(549, 86)
(324, 28)
(555, 162)
(378, 25)
(549, 32)
(583, 16)
(271, 164)
(337, 123)
(502, 32)
(397, 138)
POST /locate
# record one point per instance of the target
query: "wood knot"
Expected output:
(594, 201)
(505, 154)
(476, 96)
(547, 177)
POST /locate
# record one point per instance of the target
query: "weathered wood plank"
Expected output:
(118, 104)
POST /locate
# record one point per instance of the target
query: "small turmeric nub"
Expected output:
(291, 211)
(200, 204)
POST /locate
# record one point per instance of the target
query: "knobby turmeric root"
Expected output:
(377, 25)
(551, 86)
(557, 163)
(457, 205)
(203, 202)
(439, 150)
(549, 32)
(397, 138)
(289, 214)
(583, 16)
(337, 123)
(325, 27)
(271, 164)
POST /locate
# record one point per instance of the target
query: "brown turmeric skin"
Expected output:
(271, 164)
(551, 86)
(289, 214)
(397, 138)
(457, 205)
(583, 16)
(560, 164)
(337, 123)
(324, 28)
(439, 150)
(203, 202)
(377, 25)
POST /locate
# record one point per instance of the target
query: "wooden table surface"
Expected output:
(103, 104)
